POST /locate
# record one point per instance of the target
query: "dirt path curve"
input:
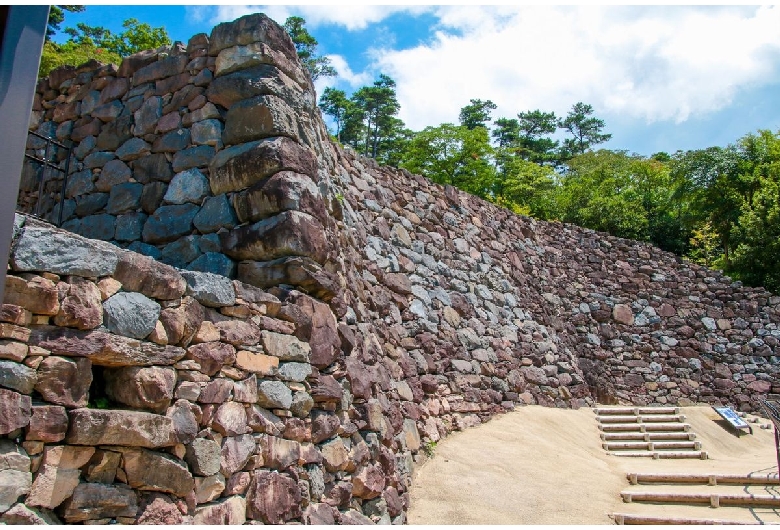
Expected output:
(539, 465)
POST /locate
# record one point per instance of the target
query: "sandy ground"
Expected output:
(539, 465)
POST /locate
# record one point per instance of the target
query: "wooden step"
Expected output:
(636, 410)
(699, 455)
(646, 436)
(646, 418)
(652, 446)
(715, 500)
(711, 479)
(627, 518)
(649, 427)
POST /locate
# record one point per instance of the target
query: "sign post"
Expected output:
(23, 30)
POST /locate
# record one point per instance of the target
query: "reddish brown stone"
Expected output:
(149, 470)
(359, 377)
(159, 509)
(81, 308)
(318, 514)
(368, 482)
(39, 295)
(623, 314)
(212, 356)
(104, 349)
(120, 427)
(14, 314)
(279, 453)
(273, 498)
(235, 453)
(141, 387)
(48, 423)
(15, 410)
(231, 511)
(238, 333)
(183, 322)
(64, 381)
(317, 326)
(325, 389)
(142, 274)
(230, 419)
(98, 501)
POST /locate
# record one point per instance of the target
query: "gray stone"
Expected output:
(108, 111)
(115, 133)
(274, 395)
(129, 227)
(84, 147)
(172, 142)
(152, 196)
(124, 198)
(210, 243)
(13, 484)
(148, 115)
(181, 252)
(207, 132)
(199, 156)
(145, 249)
(99, 159)
(162, 68)
(17, 377)
(297, 372)
(79, 183)
(59, 252)
(210, 290)
(131, 314)
(203, 456)
(169, 223)
(91, 203)
(187, 186)
(113, 173)
(152, 168)
(215, 263)
(101, 226)
(132, 149)
(24, 515)
(216, 213)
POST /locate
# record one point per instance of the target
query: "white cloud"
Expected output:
(352, 17)
(666, 63)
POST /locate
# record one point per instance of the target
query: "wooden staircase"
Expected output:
(690, 499)
(653, 432)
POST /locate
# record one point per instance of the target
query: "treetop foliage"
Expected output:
(95, 42)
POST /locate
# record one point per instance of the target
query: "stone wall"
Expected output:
(372, 312)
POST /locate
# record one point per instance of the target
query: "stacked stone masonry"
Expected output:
(310, 322)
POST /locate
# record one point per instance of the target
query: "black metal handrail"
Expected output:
(46, 161)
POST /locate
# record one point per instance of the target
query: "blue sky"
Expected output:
(662, 78)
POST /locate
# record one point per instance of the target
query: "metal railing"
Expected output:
(47, 162)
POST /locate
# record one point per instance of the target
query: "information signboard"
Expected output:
(733, 418)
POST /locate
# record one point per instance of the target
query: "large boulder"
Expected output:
(63, 253)
(240, 166)
(290, 233)
(260, 117)
(120, 427)
(283, 191)
(139, 387)
(273, 498)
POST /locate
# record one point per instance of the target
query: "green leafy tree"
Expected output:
(534, 143)
(57, 17)
(306, 46)
(95, 42)
(527, 185)
(476, 113)
(707, 191)
(453, 154)
(757, 237)
(334, 103)
(586, 130)
(506, 132)
(379, 106)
